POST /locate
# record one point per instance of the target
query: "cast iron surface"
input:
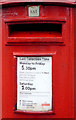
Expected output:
(51, 1)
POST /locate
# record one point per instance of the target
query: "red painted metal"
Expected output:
(51, 1)
(74, 26)
(61, 48)
(0, 63)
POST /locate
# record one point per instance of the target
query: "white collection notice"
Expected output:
(34, 84)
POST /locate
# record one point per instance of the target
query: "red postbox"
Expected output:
(38, 59)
